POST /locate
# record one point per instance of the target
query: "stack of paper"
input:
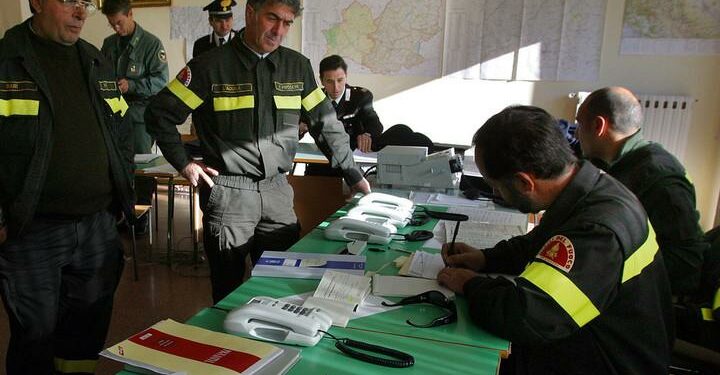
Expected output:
(170, 347)
(306, 265)
(339, 294)
(422, 264)
(400, 286)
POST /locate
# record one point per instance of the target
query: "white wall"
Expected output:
(450, 110)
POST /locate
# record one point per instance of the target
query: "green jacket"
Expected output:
(143, 63)
(246, 112)
(659, 181)
(26, 121)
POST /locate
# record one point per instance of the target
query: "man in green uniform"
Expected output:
(587, 274)
(65, 179)
(246, 100)
(609, 132)
(140, 65)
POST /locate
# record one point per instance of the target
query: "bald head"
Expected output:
(617, 104)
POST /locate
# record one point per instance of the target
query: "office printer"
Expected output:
(411, 168)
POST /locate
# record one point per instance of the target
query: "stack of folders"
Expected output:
(306, 265)
(170, 347)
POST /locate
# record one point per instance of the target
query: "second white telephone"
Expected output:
(352, 229)
(270, 319)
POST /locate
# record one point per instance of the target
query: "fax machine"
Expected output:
(409, 167)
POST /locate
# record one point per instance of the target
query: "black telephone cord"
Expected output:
(346, 346)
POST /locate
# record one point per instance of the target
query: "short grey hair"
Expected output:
(619, 105)
(293, 4)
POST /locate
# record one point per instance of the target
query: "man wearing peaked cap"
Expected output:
(221, 21)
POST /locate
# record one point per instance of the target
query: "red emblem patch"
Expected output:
(559, 252)
(185, 76)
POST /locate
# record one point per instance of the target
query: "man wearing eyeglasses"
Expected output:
(65, 162)
(140, 65)
(591, 295)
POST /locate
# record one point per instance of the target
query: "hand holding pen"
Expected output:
(463, 255)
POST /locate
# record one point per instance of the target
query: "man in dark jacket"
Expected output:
(220, 16)
(65, 162)
(609, 132)
(591, 295)
(246, 100)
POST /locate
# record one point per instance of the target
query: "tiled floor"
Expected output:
(163, 292)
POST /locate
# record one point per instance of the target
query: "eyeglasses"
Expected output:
(435, 298)
(89, 6)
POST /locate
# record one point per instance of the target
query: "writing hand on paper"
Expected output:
(362, 186)
(197, 172)
(455, 278)
(464, 256)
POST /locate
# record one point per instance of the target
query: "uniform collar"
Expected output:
(248, 57)
(581, 184)
(632, 143)
(137, 35)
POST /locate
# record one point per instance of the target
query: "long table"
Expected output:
(460, 347)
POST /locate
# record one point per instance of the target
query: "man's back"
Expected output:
(659, 181)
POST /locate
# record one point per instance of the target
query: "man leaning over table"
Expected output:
(591, 295)
(246, 102)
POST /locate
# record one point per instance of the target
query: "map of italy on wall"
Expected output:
(402, 37)
(671, 27)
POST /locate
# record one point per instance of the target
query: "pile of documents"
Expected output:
(306, 265)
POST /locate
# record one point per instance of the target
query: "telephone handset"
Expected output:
(387, 200)
(381, 214)
(269, 319)
(352, 229)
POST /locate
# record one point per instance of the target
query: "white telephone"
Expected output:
(269, 319)
(352, 229)
(387, 200)
(379, 214)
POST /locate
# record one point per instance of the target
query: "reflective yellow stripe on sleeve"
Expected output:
(707, 314)
(287, 102)
(117, 105)
(313, 99)
(642, 257)
(563, 291)
(19, 107)
(230, 103)
(69, 366)
(184, 94)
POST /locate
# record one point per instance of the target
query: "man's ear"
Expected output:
(524, 182)
(36, 5)
(601, 126)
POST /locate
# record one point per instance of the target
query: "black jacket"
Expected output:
(355, 111)
(592, 295)
(206, 43)
(26, 127)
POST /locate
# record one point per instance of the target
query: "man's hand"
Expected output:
(455, 278)
(464, 256)
(3, 234)
(303, 128)
(362, 186)
(364, 141)
(123, 85)
(196, 172)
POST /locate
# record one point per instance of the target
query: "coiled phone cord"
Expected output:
(346, 346)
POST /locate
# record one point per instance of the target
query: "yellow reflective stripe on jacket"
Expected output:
(314, 98)
(707, 314)
(21, 107)
(560, 288)
(117, 105)
(287, 102)
(716, 300)
(642, 257)
(230, 103)
(184, 94)
(69, 366)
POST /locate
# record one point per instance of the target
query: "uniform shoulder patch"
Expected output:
(162, 56)
(185, 76)
(559, 252)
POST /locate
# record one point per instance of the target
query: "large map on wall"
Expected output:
(377, 36)
(472, 39)
(671, 27)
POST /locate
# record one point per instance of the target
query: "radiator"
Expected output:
(666, 120)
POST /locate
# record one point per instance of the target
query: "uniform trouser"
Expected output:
(142, 141)
(57, 284)
(241, 219)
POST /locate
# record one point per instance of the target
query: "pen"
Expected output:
(451, 251)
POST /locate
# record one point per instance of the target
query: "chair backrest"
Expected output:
(145, 188)
(402, 135)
